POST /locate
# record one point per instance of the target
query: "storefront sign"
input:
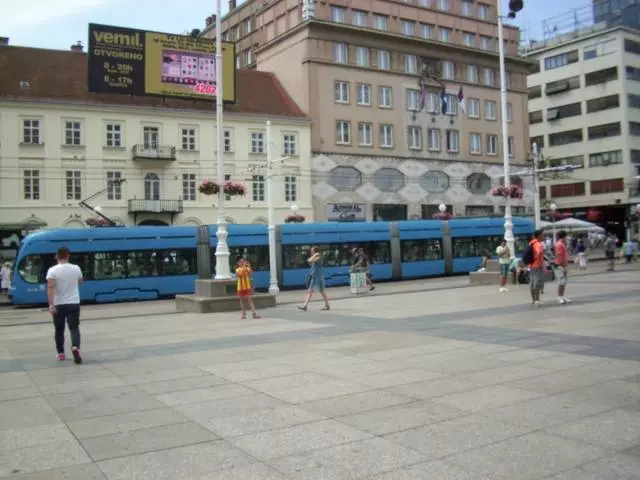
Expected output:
(346, 212)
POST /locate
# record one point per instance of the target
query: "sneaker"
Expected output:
(76, 355)
(505, 289)
(60, 357)
(566, 300)
(561, 301)
(536, 303)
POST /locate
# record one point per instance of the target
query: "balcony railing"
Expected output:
(151, 152)
(155, 206)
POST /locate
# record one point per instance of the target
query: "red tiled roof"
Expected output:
(62, 75)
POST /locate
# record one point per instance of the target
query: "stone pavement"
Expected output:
(452, 384)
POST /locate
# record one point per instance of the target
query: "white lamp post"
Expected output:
(553, 209)
(223, 270)
(508, 225)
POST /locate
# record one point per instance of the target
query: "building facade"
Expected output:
(584, 110)
(140, 160)
(617, 12)
(382, 83)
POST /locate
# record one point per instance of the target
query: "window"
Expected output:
(343, 132)
(363, 57)
(606, 130)
(413, 100)
(289, 147)
(576, 161)
(475, 143)
(561, 86)
(452, 104)
(337, 254)
(631, 46)
(453, 141)
(257, 188)
(433, 139)
(337, 14)
(603, 103)
(483, 11)
(538, 141)
(228, 141)
(421, 250)
(383, 59)
(510, 147)
(257, 142)
(613, 185)
(189, 187)
(31, 132)
(488, 77)
(72, 133)
(568, 190)
(478, 183)
(385, 97)
(601, 76)
(490, 108)
(604, 159)
(473, 108)
(433, 102)
(448, 70)
(341, 92)
(443, 5)
(509, 112)
(114, 185)
(634, 129)
(561, 60)
(535, 117)
(492, 144)
(113, 135)
(467, 247)
(290, 188)
(565, 138)
(359, 18)
(408, 27)
(364, 94)
(365, 134)
(386, 136)
(227, 178)
(426, 31)
(633, 100)
(151, 187)
(31, 184)
(445, 34)
(466, 8)
(469, 39)
(486, 43)
(564, 111)
(151, 138)
(632, 73)
(73, 184)
(535, 92)
(472, 74)
(189, 139)
(414, 138)
(380, 22)
(411, 64)
(340, 53)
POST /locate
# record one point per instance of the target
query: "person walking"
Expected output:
(610, 252)
(562, 266)
(504, 258)
(582, 255)
(534, 258)
(5, 277)
(316, 279)
(63, 293)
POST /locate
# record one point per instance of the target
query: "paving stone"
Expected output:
(163, 375)
(87, 471)
(487, 398)
(181, 384)
(614, 394)
(436, 470)
(301, 438)
(356, 403)
(12, 380)
(199, 395)
(82, 385)
(288, 382)
(203, 412)
(530, 456)
(401, 417)
(124, 422)
(42, 457)
(69, 373)
(494, 376)
(436, 388)
(614, 467)
(19, 393)
(145, 440)
(269, 371)
(254, 471)
(194, 461)
(33, 436)
(26, 412)
(319, 391)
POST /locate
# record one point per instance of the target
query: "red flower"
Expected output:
(295, 218)
(508, 191)
(208, 187)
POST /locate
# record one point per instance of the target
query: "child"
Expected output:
(244, 288)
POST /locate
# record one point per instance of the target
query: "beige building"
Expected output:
(584, 110)
(370, 75)
(60, 145)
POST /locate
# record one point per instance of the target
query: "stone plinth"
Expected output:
(492, 275)
(218, 296)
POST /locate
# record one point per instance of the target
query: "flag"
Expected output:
(444, 102)
(423, 94)
(461, 100)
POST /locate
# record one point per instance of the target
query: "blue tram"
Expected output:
(143, 263)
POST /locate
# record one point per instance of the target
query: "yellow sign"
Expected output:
(137, 62)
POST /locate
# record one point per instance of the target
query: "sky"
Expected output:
(58, 24)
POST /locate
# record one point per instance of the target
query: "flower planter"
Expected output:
(509, 191)
(208, 187)
(294, 219)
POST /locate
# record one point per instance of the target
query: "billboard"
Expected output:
(137, 62)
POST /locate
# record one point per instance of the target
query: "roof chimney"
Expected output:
(4, 40)
(232, 4)
(77, 47)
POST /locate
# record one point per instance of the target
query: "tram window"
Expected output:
(178, 262)
(335, 254)
(142, 264)
(83, 260)
(521, 242)
(421, 250)
(258, 256)
(31, 268)
(475, 246)
(110, 265)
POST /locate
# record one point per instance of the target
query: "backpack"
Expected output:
(527, 256)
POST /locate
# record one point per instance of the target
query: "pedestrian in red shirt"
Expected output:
(562, 266)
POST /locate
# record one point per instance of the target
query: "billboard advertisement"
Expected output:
(137, 62)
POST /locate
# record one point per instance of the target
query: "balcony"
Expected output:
(155, 206)
(157, 152)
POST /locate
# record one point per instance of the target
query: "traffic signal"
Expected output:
(514, 7)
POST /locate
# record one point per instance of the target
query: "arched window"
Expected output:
(151, 187)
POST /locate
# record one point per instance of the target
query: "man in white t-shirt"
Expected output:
(64, 302)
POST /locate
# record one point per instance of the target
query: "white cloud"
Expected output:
(33, 13)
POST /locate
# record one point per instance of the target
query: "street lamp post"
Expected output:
(553, 209)
(508, 220)
(223, 269)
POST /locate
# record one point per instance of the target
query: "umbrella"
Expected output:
(575, 225)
